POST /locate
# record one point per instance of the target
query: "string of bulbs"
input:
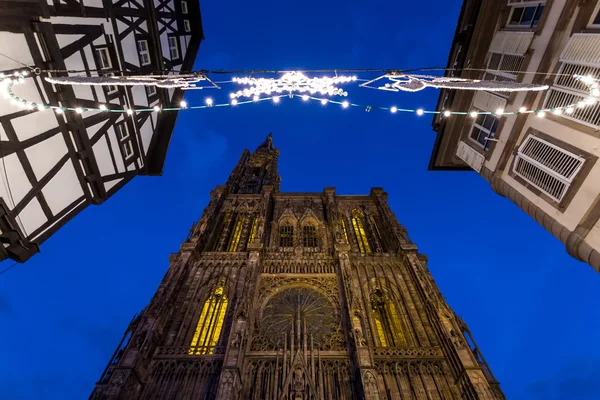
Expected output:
(18, 77)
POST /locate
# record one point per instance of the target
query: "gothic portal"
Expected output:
(296, 296)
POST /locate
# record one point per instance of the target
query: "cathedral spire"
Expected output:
(255, 170)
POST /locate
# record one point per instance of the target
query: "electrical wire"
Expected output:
(7, 269)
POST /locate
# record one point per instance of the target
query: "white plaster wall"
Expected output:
(589, 189)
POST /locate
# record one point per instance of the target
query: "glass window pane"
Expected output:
(480, 118)
(516, 16)
(488, 122)
(475, 133)
(538, 15)
(527, 18)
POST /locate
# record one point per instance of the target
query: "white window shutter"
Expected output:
(470, 156)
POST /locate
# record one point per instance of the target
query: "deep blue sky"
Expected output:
(534, 311)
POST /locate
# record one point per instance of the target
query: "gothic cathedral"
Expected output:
(296, 296)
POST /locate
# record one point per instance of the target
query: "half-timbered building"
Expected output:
(56, 164)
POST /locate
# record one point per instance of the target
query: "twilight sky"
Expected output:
(534, 311)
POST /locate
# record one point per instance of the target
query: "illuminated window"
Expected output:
(359, 231)
(286, 236)
(210, 323)
(237, 233)
(344, 230)
(387, 321)
(309, 233)
(253, 229)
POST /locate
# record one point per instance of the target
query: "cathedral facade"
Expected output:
(296, 296)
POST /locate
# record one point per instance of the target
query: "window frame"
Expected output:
(173, 47)
(283, 240)
(127, 145)
(142, 53)
(313, 237)
(483, 129)
(186, 25)
(150, 90)
(595, 16)
(524, 7)
(106, 51)
(184, 7)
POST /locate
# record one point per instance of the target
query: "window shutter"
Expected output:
(470, 156)
(546, 166)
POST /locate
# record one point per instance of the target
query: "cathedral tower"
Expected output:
(296, 296)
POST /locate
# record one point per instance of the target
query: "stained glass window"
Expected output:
(387, 321)
(253, 229)
(210, 323)
(237, 233)
(344, 230)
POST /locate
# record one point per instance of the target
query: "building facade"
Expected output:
(296, 296)
(544, 162)
(54, 165)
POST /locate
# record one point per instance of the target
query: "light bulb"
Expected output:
(447, 113)
(305, 97)
(345, 104)
(596, 92)
(569, 110)
(590, 101)
(323, 101)
(541, 114)
(129, 111)
(394, 109)
(103, 107)
(41, 107)
(156, 108)
(58, 110)
(79, 110)
(183, 104)
(209, 101)
(29, 106)
(558, 111)
(499, 111)
(522, 109)
(232, 95)
(420, 112)
(234, 102)
(255, 98)
(276, 99)
(473, 114)
(581, 104)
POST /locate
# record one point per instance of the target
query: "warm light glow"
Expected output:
(500, 111)
(276, 99)
(420, 111)
(305, 97)
(78, 110)
(58, 110)
(473, 114)
(590, 101)
(596, 92)
(522, 109)
(569, 110)
(156, 108)
(558, 111)
(129, 112)
(541, 114)
(234, 102)
(323, 101)
(581, 104)
(255, 98)
(41, 107)
(394, 109)
(209, 101)
(345, 104)
(447, 113)
(183, 104)
(103, 107)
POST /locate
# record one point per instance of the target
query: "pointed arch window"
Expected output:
(387, 321)
(286, 234)
(222, 228)
(210, 323)
(344, 230)
(309, 235)
(237, 232)
(359, 231)
(253, 229)
(376, 229)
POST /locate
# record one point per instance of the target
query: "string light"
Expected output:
(8, 81)
(209, 101)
